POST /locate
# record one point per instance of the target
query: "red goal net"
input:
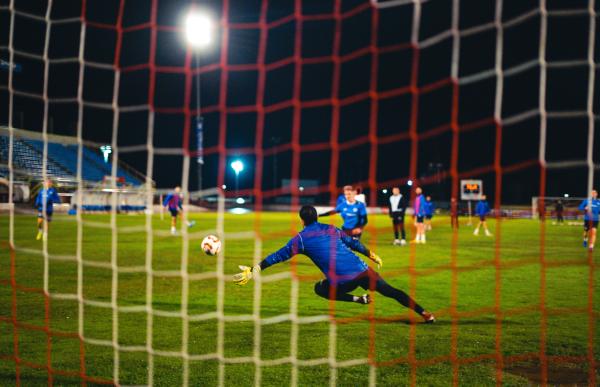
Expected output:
(311, 96)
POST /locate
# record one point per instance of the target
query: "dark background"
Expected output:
(566, 90)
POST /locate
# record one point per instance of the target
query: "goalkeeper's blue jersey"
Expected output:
(329, 248)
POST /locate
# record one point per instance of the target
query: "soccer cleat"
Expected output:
(403, 242)
(396, 242)
(428, 318)
(476, 232)
(364, 299)
(487, 233)
(39, 236)
(191, 223)
(173, 231)
(585, 243)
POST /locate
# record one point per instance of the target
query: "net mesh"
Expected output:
(414, 91)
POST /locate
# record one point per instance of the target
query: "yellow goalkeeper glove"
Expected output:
(246, 275)
(375, 258)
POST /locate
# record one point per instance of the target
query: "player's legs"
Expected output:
(481, 223)
(40, 225)
(420, 229)
(485, 227)
(174, 214)
(398, 222)
(592, 233)
(402, 232)
(324, 289)
(396, 231)
(373, 281)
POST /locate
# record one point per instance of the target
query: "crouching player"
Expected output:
(173, 202)
(44, 203)
(331, 250)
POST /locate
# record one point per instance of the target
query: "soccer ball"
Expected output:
(211, 245)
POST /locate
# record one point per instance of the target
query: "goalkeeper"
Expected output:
(331, 250)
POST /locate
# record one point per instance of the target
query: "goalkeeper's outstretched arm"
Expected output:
(293, 247)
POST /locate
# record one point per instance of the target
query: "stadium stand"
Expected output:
(61, 162)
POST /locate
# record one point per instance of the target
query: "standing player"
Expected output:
(173, 202)
(429, 210)
(482, 210)
(353, 212)
(591, 206)
(397, 210)
(420, 212)
(559, 208)
(453, 213)
(332, 252)
(44, 203)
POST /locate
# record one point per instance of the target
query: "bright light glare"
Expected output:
(240, 201)
(198, 29)
(224, 186)
(566, 195)
(384, 191)
(301, 188)
(237, 166)
(410, 182)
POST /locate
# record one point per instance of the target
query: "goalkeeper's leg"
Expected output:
(375, 282)
(324, 289)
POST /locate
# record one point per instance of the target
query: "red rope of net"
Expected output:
(334, 146)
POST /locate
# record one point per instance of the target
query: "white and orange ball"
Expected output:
(211, 245)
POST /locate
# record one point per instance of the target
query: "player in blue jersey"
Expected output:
(331, 250)
(353, 212)
(420, 212)
(482, 209)
(44, 202)
(173, 201)
(591, 206)
(429, 210)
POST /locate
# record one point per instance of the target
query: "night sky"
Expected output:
(566, 90)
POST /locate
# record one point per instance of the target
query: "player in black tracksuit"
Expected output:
(397, 209)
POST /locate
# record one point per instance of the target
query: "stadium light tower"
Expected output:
(237, 167)
(199, 32)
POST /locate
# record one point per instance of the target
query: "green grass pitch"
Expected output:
(478, 334)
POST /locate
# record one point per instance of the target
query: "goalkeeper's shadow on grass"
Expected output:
(442, 320)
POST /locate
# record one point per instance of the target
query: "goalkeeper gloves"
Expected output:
(246, 275)
(375, 258)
